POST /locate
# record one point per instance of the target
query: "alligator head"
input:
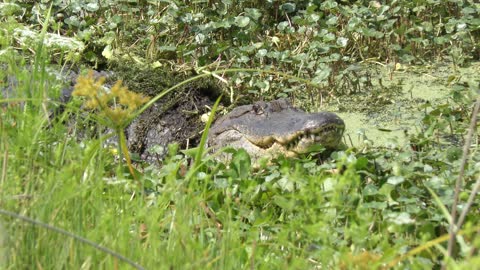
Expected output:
(271, 128)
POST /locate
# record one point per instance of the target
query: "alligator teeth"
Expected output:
(310, 135)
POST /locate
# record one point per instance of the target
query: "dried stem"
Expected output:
(458, 185)
(469, 203)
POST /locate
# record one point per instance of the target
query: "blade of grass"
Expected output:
(201, 147)
(74, 236)
(439, 203)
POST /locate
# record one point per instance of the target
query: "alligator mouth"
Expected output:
(328, 136)
(301, 142)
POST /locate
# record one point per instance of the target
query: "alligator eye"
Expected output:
(258, 109)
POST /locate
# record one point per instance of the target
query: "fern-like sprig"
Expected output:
(116, 106)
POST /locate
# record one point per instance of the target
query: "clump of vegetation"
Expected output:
(116, 107)
(323, 41)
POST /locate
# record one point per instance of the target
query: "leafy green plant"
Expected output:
(116, 107)
(303, 37)
(370, 208)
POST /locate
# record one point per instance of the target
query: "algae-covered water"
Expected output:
(393, 108)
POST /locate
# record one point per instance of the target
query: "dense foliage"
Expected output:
(320, 40)
(361, 208)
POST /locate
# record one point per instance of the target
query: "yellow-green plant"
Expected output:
(116, 107)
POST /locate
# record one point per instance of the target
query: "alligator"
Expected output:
(272, 128)
(175, 118)
(262, 129)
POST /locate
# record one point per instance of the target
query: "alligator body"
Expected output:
(173, 119)
(276, 127)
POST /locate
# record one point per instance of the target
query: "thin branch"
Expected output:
(469, 203)
(459, 182)
(69, 234)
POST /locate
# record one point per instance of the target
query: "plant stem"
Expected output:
(122, 141)
(458, 185)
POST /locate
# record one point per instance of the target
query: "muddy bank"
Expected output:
(174, 118)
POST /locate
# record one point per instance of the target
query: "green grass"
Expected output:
(353, 210)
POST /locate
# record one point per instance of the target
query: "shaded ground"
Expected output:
(174, 118)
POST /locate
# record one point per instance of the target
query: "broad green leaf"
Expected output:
(395, 180)
(242, 21)
(288, 7)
